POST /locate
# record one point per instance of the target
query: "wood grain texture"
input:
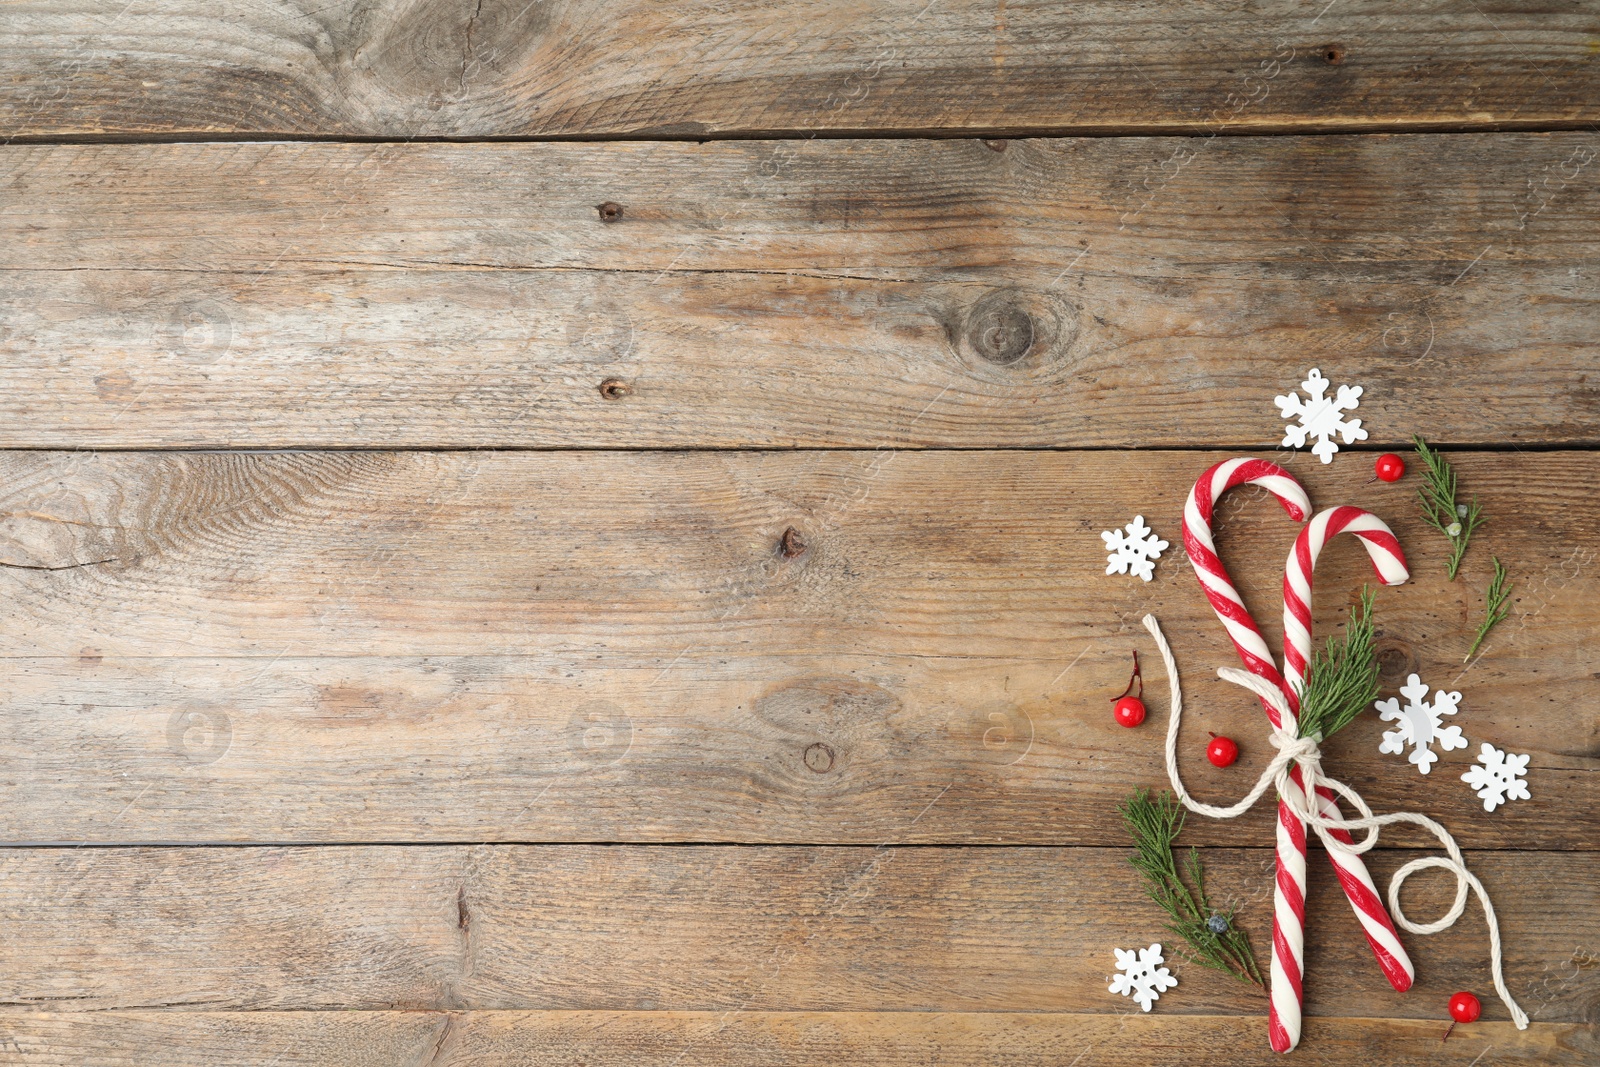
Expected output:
(727, 928)
(1040, 293)
(425, 68)
(749, 1039)
(226, 1039)
(588, 647)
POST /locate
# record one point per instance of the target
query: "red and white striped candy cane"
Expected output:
(1288, 935)
(1289, 892)
(1387, 559)
(1208, 567)
(1390, 563)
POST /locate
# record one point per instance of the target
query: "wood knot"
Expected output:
(615, 389)
(1016, 337)
(819, 758)
(820, 725)
(995, 145)
(1396, 661)
(1332, 54)
(610, 211)
(791, 544)
(1001, 333)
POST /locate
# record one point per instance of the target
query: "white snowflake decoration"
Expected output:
(1418, 723)
(1320, 417)
(1136, 550)
(1500, 777)
(1143, 976)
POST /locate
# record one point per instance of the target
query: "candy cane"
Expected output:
(1387, 559)
(1289, 890)
(1288, 934)
(1390, 563)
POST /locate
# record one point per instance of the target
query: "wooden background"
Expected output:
(567, 533)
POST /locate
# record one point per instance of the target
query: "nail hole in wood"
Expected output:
(610, 211)
(615, 388)
(1333, 54)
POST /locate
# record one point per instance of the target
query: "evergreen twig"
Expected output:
(1155, 824)
(1342, 678)
(1439, 507)
(1496, 607)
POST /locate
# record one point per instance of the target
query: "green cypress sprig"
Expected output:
(1495, 604)
(1212, 938)
(1439, 507)
(1341, 679)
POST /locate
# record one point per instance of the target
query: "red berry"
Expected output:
(1464, 1008)
(1222, 751)
(1391, 468)
(1129, 711)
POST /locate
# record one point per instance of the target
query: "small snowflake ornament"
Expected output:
(1500, 777)
(1320, 417)
(1418, 723)
(1135, 548)
(1142, 975)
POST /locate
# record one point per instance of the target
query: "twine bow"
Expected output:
(1305, 753)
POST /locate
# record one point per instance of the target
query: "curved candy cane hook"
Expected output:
(1387, 560)
(1202, 549)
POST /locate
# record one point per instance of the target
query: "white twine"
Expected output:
(1303, 752)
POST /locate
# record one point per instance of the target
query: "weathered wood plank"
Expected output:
(723, 928)
(582, 68)
(225, 1039)
(584, 647)
(750, 1039)
(1127, 292)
